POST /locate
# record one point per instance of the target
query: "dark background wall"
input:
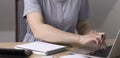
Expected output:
(21, 24)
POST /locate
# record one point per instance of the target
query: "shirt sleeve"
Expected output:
(31, 6)
(84, 10)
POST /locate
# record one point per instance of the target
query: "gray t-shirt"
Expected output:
(62, 14)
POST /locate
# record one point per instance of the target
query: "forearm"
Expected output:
(51, 34)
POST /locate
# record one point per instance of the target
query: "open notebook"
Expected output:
(42, 48)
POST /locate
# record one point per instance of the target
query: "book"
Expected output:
(42, 48)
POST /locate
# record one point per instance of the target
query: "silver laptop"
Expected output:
(112, 51)
(115, 50)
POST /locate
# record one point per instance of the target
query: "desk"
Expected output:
(12, 44)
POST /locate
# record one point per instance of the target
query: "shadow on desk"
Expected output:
(12, 56)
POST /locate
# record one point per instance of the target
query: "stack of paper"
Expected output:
(42, 47)
(78, 56)
(73, 56)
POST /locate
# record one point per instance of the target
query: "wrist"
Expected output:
(77, 39)
(81, 40)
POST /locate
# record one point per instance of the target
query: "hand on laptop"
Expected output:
(93, 37)
(102, 37)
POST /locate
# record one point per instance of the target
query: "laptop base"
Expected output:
(101, 52)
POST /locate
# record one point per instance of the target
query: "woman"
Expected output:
(55, 21)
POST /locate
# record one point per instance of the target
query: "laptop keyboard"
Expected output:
(101, 52)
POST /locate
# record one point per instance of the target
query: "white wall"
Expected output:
(7, 20)
(105, 16)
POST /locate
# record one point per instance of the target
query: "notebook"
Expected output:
(42, 48)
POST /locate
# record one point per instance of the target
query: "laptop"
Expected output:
(112, 51)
